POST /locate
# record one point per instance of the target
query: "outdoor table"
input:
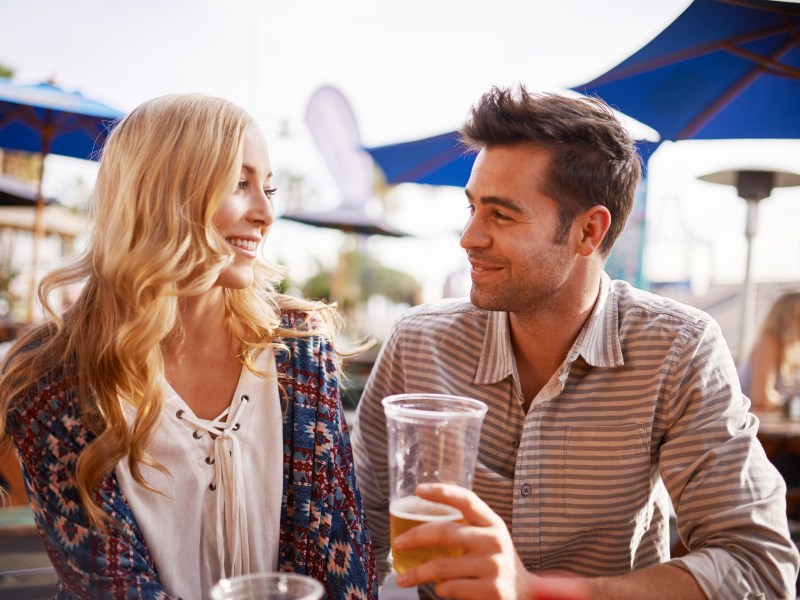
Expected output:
(777, 433)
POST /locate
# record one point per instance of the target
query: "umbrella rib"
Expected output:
(27, 114)
(715, 107)
(425, 167)
(67, 123)
(780, 10)
(688, 54)
(766, 63)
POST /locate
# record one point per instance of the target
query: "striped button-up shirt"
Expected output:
(645, 408)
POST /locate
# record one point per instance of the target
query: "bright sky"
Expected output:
(409, 68)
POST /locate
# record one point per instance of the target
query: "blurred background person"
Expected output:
(771, 379)
(771, 375)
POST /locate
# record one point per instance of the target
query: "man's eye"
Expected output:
(471, 208)
(501, 217)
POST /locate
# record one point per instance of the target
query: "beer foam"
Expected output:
(415, 508)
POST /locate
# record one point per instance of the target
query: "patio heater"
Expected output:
(753, 185)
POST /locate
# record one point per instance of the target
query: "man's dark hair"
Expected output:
(593, 159)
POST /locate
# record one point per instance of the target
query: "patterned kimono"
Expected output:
(323, 531)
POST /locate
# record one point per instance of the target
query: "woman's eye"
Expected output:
(242, 184)
(270, 192)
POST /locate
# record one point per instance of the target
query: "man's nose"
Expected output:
(474, 235)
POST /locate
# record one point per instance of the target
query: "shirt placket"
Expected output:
(526, 513)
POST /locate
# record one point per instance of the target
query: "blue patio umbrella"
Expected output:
(437, 160)
(441, 160)
(723, 69)
(47, 119)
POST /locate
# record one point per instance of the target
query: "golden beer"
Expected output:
(410, 511)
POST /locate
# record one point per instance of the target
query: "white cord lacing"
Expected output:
(228, 484)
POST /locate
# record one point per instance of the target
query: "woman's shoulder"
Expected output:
(45, 401)
(33, 373)
(297, 320)
(306, 323)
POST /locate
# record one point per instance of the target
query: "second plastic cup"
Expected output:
(268, 586)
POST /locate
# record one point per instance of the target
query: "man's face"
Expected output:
(518, 265)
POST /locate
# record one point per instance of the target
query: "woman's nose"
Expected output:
(262, 209)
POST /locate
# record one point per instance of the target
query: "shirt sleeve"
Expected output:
(728, 498)
(370, 450)
(89, 562)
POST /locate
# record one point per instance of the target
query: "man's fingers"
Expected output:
(478, 540)
(475, 510)
(445, 569)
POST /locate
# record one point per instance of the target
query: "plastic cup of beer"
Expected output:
(268, 586)
(433, 438)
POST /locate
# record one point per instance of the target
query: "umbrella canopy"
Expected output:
(47, 119)
(348, 219)
(723, 69)
(441, 160)
(16, 193)
(437, 160)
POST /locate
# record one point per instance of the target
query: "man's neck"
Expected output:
(541, 340)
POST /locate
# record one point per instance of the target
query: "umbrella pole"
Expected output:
(48, 129)
(38, 230)
(747, 320)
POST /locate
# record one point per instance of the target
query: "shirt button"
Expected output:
(525, 490)
(515, 443)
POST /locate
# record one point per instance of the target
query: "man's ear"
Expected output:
(594, 224)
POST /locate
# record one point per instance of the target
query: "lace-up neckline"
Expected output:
(227, 483)
(193, 532)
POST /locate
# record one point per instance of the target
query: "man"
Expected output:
(604, 401)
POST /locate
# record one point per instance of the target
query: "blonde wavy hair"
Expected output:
(782, 323)
(164, 171)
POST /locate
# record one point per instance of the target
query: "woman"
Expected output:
(771, 376)
(181, 421)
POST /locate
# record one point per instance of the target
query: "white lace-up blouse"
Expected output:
(218, 513)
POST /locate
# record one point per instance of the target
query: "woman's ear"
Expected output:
(594, 224)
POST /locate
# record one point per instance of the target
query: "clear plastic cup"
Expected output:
(433, 438)
(268, 586)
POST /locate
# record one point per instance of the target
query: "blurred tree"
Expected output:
(6, 71)
(294, 190)
(363, 277)
(8, 299)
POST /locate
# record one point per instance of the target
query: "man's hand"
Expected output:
(489, 567)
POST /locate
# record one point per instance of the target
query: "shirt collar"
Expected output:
(598, 341)
(496, 361)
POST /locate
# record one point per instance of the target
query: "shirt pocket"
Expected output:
(606, 473)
